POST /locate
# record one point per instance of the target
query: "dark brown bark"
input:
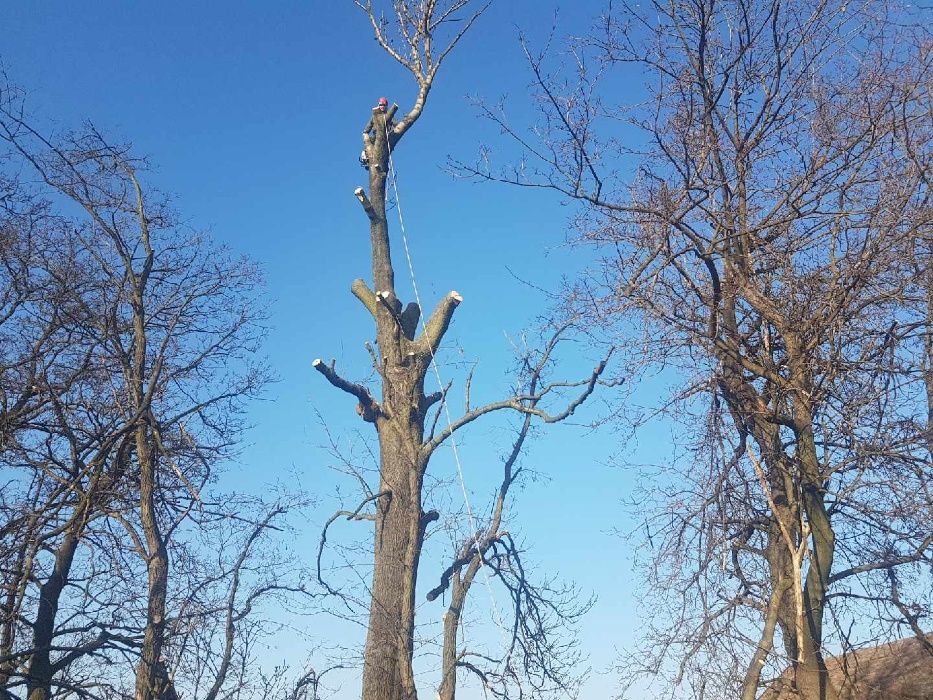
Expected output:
(40, 665)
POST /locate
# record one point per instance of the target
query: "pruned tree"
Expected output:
(405, 351)
(766, 239)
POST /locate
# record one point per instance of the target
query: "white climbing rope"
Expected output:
(497, 617)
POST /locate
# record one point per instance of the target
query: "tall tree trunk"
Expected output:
(387, 671)
(149, 679)
(387, 666)
(151, 675)
(39, 682)
(812, 676)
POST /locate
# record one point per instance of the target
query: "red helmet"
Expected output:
(383, 102)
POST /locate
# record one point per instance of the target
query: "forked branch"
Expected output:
(410, 38)
(528, 404)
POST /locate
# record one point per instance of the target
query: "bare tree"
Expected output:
(134, 398)
(404, 354)
(765, 241)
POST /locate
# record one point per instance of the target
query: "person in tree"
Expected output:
(369, 130)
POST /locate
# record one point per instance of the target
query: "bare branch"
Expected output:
(368, 407)
(527, 404)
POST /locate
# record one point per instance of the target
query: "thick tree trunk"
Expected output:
(387, 666)
(387, 670)
(812, 676)
(39, 684)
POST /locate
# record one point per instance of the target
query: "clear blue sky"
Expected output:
(251, 113)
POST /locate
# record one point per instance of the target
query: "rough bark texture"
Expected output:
(387, 669)
(40, 665)
(149, 681)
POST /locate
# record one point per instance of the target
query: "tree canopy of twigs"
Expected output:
(762, 201)
(129, 354)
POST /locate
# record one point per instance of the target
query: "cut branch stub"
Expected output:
(388, 299)
(367, 205)
(367, 407)
(365, 295)
(439, 322)
(390, 115)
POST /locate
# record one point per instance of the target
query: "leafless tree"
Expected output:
(132, 401)
(420, 36)
(766, 243)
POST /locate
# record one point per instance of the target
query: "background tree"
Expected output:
(112, 513)
(765, 242)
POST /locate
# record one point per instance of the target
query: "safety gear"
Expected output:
(383, 102)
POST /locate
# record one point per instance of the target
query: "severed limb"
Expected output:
(362, 292)
(391, 303)
(437, 325)
(367, 205)
(368, 408)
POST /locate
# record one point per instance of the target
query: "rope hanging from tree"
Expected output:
(497, 617)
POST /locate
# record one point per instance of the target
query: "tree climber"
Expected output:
(370, 129)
